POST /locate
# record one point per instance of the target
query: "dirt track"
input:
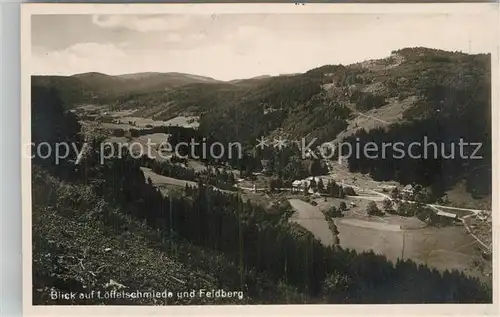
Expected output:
(311, 218)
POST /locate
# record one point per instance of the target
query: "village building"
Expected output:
(296, 186)
(266, 166)
(447, 214)
(408, 192)
(301, 185)
(483, 216)
(387, 187)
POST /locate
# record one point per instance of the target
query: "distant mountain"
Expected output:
(96, 87)
(235, 81)
(257, 80)
(176, 79)
(413, 93)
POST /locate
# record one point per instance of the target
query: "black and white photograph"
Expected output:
(223, 157)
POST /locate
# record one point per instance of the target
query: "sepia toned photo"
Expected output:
(219, 157)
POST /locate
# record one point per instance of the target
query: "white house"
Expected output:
(387, 187)
(299, 185)
(296, 185)
(483, 215)
(446, 214)
(310, 178)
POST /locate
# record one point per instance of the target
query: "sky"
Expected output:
(235, 46)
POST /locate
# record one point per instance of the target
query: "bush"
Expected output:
(349, 191)
(118, 132)
(392, 212)
(395, 194)
(134, 133)
(343, 206)
(334, 212)
(373, 210)
(388, 205)
(368, 101)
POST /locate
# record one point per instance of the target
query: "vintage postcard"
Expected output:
(260, 159)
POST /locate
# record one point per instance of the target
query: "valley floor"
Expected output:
(393, 236)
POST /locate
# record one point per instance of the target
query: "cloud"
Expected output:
(79, 58)
(141, 23)
(173, 38)
(197, 37)
(94, 50)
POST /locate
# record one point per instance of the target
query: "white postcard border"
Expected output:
(491, 10)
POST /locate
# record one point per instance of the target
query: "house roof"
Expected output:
(446, 214)
(387, 186)
(316, 179)
(408, 187)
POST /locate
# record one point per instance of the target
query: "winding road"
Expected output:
(311, 218)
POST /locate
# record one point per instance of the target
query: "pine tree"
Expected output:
(321, 186)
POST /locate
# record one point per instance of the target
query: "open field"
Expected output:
(127, 119)
(118, 139)
(196, 165)
(161, 180)
(121, 113)
(375, 118)
(165, 183)
(142, 122)
(371, 224)
(441, 248)
(113, 126)
(151, 149)
(154, 138)
(90, 107)
(182, 121)
(406, 237)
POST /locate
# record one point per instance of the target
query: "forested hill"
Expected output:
(453, 105)
(90, 88)
(415, 92)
